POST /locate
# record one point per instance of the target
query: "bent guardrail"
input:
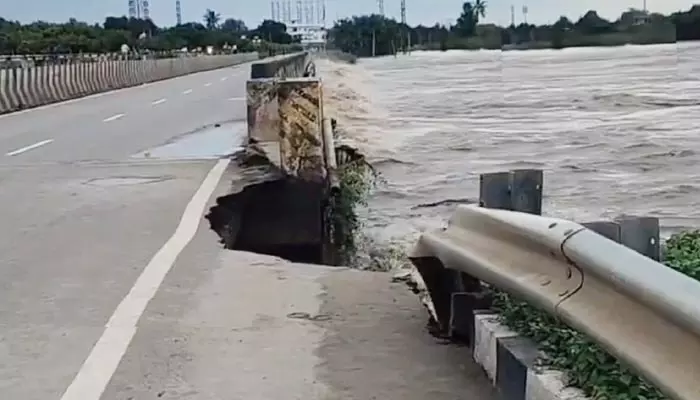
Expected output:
(34, 83)
(643, 312)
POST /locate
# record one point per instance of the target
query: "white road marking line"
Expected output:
(224, 78)
(104, 358)
(30, 147)
(207, 84)
(236, 98)
(113, 118)
(108, 93)
(188, 91)
(161, 101)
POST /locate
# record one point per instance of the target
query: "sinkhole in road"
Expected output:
(281, 218)
(208, 142)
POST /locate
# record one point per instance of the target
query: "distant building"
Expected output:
(310, 35)
(633, 17)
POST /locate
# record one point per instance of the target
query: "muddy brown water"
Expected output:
(616, 130)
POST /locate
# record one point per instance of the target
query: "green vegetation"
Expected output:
(360, 35)
(143, 35)
(588, 366)
(370, 35)
(356, 179)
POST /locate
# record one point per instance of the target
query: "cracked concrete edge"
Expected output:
(536, 383)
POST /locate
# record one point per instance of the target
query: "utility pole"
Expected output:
(178, 12)
(525, 15)
(407, 43)
(374, 43)
(512, 15)
(380, 5)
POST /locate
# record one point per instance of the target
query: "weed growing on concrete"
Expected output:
(588, 366)
(356, 180)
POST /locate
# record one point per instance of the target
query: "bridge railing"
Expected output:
(35, 81)
(639, 310)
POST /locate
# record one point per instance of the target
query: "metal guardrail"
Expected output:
(641, 311)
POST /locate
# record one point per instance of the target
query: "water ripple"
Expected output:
(616, 130)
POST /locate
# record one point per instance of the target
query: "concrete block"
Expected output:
(487, 331)
(283, 66)
(263, 110)
(509, 362)
(515, 357)
(550, 385)
(301, 128)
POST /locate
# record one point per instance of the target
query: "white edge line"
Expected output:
(30, 147)
(236, 98)
(160, 101)
(104, 358)
(113, 118)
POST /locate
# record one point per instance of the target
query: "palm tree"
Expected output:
(479, 10)
(211, 19)
(466, 22)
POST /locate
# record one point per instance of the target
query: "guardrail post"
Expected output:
(641, 234)
(517, 190)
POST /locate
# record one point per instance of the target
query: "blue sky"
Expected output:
(418, 11)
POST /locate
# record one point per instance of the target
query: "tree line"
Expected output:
(139, 34)
(370, 35)
(360, 35)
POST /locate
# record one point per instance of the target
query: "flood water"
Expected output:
(616, 130)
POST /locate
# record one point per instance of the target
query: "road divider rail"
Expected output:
(36, 82)
(641, 311)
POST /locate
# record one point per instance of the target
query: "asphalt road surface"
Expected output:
(112, 287)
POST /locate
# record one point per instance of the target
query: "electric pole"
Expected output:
(380, 4)
(407, 43)
(178, 12)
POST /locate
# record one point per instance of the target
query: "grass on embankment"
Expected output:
(587, 365)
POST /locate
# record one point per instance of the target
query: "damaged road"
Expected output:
(118, 288)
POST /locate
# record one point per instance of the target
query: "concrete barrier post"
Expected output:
(301, 129)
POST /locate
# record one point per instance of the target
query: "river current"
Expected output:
(616, 130)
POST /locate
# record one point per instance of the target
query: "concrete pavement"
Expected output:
(91, 234)
(115, 125)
